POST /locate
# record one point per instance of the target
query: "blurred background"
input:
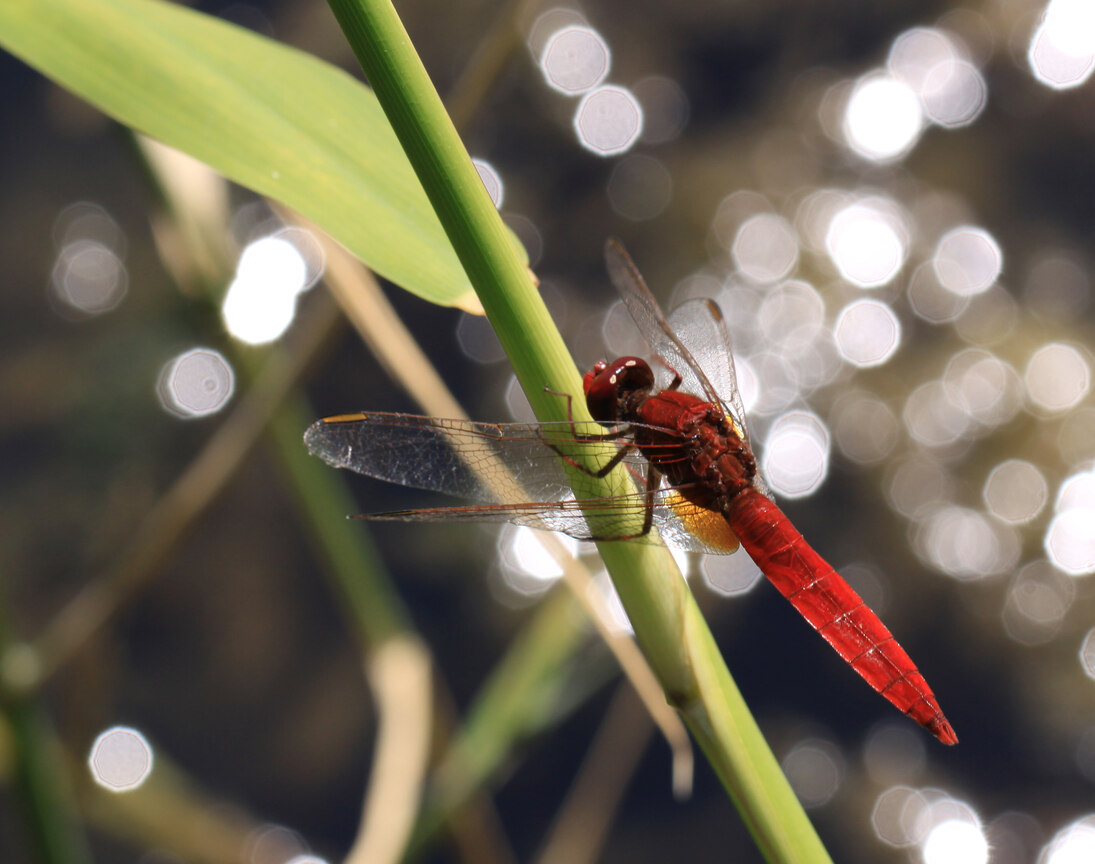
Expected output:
(895, 206)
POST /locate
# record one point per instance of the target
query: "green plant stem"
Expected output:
(482, 243)
(40, 778)
(515, 703)
(667, 621)
(374, 608)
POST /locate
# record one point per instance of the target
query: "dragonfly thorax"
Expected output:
(613, 389)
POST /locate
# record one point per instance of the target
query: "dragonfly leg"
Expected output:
(624, 449)
(583, 436)
(567, 396)
(653, 479)
(604, 469)
(676, 382)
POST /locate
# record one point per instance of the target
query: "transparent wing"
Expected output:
(489, 462)
(699, 324)
(693, 342)
(513, 469)
(648, 317)
(678, 523)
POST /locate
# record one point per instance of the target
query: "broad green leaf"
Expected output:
(267, 116)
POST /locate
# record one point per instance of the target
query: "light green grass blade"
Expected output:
(269, 117)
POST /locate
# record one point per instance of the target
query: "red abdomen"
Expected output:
(824, 599)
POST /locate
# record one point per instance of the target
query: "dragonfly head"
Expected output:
(609, 386)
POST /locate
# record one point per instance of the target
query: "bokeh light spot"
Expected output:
(527, 233)
(865, 245)
(930, 300)
(937, 821)
(121, 759)
(967, 260)
(477, 339)
(1070, 537)
(261, 301)
(272, 844)
(575, 59)
(883, 118)
(1074, 844)
(765, 248)
(1015, 491)
(791, 317)
(665, 108)
(603, 593)
(528, 568)
(966, 545)
(814, 215)
(553, 20)
(1057, 377)
(1037, 601)
(730, 575)
(990, 318)
(815, 769)
(517, 404)
(1070, 541)
(894, 814)
(954, 94)
(748, 383)
(916, 52)
(864, 427)
(983, 387)
(776, 383)
(1087, 654)
(867, 333)
(796, 454)
(956, 841)
(917, 485)
(867, 583)
(608, 121)
(932, 418)
(492, 181)
(89, 277)
(196, 383)
(951, 89)
(1062, 49)
(86, 220)
(1077, 491)
(1072, 24)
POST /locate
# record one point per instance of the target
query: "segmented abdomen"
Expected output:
(836, 611)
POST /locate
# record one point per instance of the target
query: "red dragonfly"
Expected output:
(685, 448)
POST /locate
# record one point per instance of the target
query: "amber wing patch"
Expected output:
(709, 526)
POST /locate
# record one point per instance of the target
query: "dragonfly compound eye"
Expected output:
(610, 383)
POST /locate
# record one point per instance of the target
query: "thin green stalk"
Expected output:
(482, 243)
(667, 621)
(374, 607)
(512, 706)
(39, 776)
